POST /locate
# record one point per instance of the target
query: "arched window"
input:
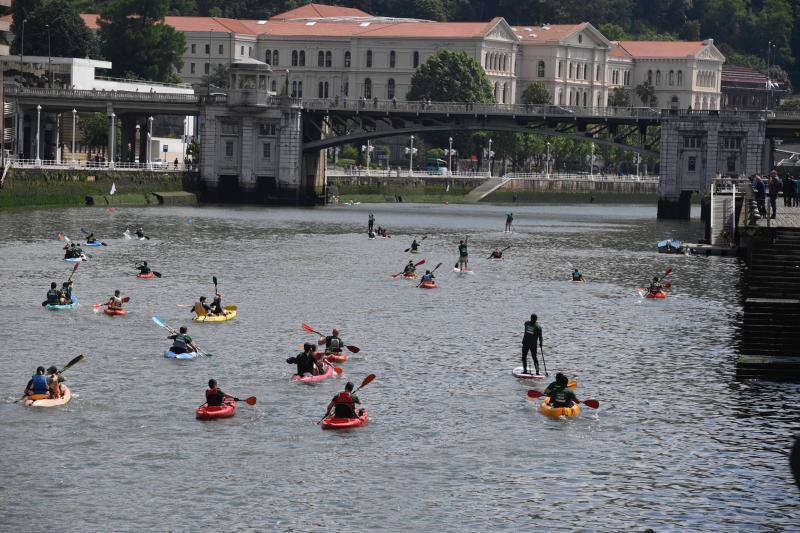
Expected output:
(321, 90)
(392, 59)
(585, 95)
(321, 59)
(680, 78)
(346, 88)
(294, 89)
(671, 79)
(368, 88)
(369, 58)
(328, 59)
(294, 58)
(658, 77)
(274, 86)
(496, 90)
(274, 58)
(268, 57)
(347, 60)
(302, 60)
(571, 70)
(540, 69)
(585, 72)
(505, 63)
(650, 77)
(390, 89)
(415, 60)
(560, 64)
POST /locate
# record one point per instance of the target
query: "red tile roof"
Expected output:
(550, 33)
(378, 29)
(662, 49)
(198, 24)
(310, 11)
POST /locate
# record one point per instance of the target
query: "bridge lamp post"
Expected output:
(450, 154)
(411, 151)
(547, 162)
(138, 136)
(74, 121)
(184, 137)
(113, 138)
(38, 127)
(367, 148)
(591, 163)
(149, 139)
(490, 155)
(49, 57)
(638, 159)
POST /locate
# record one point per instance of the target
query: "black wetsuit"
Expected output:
(533, 335)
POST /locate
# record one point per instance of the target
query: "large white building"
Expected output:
(335, 52)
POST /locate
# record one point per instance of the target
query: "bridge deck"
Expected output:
(786, 217)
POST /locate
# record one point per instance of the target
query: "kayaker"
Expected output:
(54, 381)
(214, 395)
(182, 342)
(90, 239)
(655, 286)
(140, 233)
(37, 386)
(414, 246)
(333, 344)
(463, 255)
(371, 234)
(201, 308)
(344, 403)
(371, 223)
(66, 290)
(576, 275)
(497, 254)
(76, 250)
(216, 305)
(305, 361)
(144, 269)
(427, 277)
(53, 297)
(533, 333)
(509, 220)
(559, 392)
(410, 268)
(115, 302)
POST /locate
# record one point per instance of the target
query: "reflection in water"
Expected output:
(453, 443)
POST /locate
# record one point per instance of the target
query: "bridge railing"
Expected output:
(130, 96)
(153, 166)
(578, 176)
(400, 173)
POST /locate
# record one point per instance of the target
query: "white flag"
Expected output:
(448, 188)
(113, 188)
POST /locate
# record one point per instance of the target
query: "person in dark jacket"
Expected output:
(774, 189)
(760, 191)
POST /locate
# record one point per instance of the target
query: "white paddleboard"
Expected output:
(518, 373)
(459, 271)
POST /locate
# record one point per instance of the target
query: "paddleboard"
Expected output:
(459, 271)
(518, 373)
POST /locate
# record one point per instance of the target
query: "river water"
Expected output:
(453, 444)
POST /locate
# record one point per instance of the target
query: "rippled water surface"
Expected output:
(452, 444)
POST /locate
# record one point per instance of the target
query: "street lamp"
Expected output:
(450, 155)
(38, 127)
(591, 163)
(638, 160)
(74, 120)
(286, 86)
(149, 139)
(49, 57)
(113, 140)
(411, 151)
(367, 148)
(22, 42)
(489, 155)
(185, 137)
(138, 136)
(547, 162)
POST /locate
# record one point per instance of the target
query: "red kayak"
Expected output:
(113, 312)
(333, 422)
(427, 285)
(207, 412)
(145, 276)
(310, 378)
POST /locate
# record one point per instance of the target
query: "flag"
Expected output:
(113, 188)
(448, 188)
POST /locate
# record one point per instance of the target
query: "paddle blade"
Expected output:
(592, 404)
(157, 274)
(307, 328)
(84, 231)
(437, 267)
(533, 394)
(572, 384)
(667, 272)
(251, 400)
(406, 250)
(353, 349)
(96, 308)
(75, 267)
(72, 363)
(418, 263)
(337, 370)
(367, 380)
(214, 278)
(126, 299)
(159, 322)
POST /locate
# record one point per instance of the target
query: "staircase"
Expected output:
(485, 189)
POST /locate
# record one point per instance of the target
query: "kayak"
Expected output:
(415, 251)
(310, 378)
(334, 422)
(95, 244)
(578, 280)
(496, 258)
(336, 357)
(459, 271)
(644, 293)
(518, 373)
(208, 412)
(410, 276)
(169, 354)
(231, 309)
(145, 276)
(66, 396)
(56, 307)
(428, 285)
(558, 412)
(75, 259)
(113, 312)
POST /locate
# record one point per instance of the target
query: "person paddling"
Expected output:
(54, 381)
(201, 308)
(305, 361)
(182, 342)
(655, 286)
(414, 246)
(37, 387)
(344, 403)
(53, 296)
(214, 395)
(576, 275)
(410, 269)
(497, 254)
(333, 344)
(144, 269)
(463, 255)
(216, 305)
(116, 301)
(559, 392)
(371, 222)
(140, 233)
(428, 277)
(90, 239)
(66, 291)
(533, 333)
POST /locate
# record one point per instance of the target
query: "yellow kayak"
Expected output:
(231, 309)
(66, 396)
(556, 412)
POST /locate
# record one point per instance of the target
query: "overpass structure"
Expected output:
(257, 147)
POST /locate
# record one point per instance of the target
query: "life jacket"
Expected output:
(333, 344)
(577, 275)
(462, 250)
(427, 277)
(39, 385)
(531, 329)
(199, 309)
(52, 296)
(558, 396)
(214, 397)
(410, 269)
(344, 405)
(497, 254)
(180, 341)
(116, 302)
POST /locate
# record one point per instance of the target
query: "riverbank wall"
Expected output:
(437, 189)
(41, 187)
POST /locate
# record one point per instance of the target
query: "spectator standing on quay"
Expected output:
(774, 190)
(788, 191)
(760, 191)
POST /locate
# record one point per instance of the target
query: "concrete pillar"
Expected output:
(290, 146)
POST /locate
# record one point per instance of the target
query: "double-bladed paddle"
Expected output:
(367, 380)
(432, 271)
(501, 251)
(249, 401)
(409, 248)
(593, 404)
(69, 365)
(161, 323)
(418, 263)
(68, 280)
(87, 234)
(353, 349)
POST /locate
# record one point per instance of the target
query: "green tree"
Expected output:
(93, 130)
(646, 93)
(430, 10)
(136, 40)
(69, 36)
(449, 76)
(536, 93)
(220, 77)
(619, 97)
(614, 32)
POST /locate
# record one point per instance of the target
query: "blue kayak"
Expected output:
(95, 244)
(56, 307)
(74, 259)
(170, 355)
(670, 246)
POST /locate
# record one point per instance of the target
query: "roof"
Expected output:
(320, 11)
(547, 33)
(745, 75)
(194, 24)
(378, 29)
(618, 52)
(663, 49)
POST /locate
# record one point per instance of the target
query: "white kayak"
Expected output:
(518, 373)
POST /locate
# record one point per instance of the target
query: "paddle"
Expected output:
(501, 251)
(466, 240)
(156, 274)
(593, 404)
(418, 263)
(353, 349)
(87, 234)
(249, 401)
(214, 279)
(125, 299)
(409, 248)
(161, 323)
(367, 380)
(68, 279)
(432, 271)
(543, 361)
(69, 365)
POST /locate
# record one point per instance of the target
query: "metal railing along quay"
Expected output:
(395, 173)
(52, 164)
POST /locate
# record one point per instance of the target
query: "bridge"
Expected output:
(259, 146)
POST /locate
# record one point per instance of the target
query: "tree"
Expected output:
(93, 130)
(220, 77)
(536, 93)
(613, 32)
(69, 36)
(647, 94)
(449, 76)
(430, 10)
(136, 40)
(619, 97)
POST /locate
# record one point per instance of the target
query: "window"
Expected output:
(692, 164)
(194, 48)
(732, 143)
(367, 88)
(347, 59)
(580, 39)
(206, 68)
(369, 58)
(249, 51)
(680, 78)
(597, 74)
(559, 69)
(731, 164)
(392, 59)
(560, 97)
(267, 129)
(221, 49)
(241, 53)
(692, 142)
(390, 89)
(415, 60)
(274, 58)
(658, 77)
(671, 78)
(294, 89)
(650, 77)
(585, 72)
(268, 57)
(229, 128)
(266, 150)
(328, 59)
(294, 58)
(274, 86)
(326, 89)
(571, 71)
(302, 59)
(321, 91)
(228, 148)
(505, 64)
(540, 69)
(584, 99)
(626, 77)
(346, 89)
(674, 103)
(321, 59)
(191, 68)
(299, 89)
(208, 49)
